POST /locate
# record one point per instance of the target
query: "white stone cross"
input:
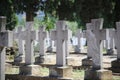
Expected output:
(117, 39)
(42, 35)
(68, 44)
(31, 35)
(6, 40)
(60, 35)
(89, 40)
(20, 35)
(100, 35)
(110, 37)
(79, 35)
(110, 40)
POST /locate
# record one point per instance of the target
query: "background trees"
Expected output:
(6, 9)
(80, 11)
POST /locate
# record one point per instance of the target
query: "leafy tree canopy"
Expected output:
(6, 9)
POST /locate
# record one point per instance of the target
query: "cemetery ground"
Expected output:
(74, 59)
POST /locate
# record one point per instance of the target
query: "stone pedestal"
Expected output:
(19, 59)
(61, 72)
(87, 62)
(77, 49)
(110, 51)
(98, 75)
(31, 70)
(40, 59)
(116, 66)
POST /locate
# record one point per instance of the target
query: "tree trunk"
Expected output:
(29, 15)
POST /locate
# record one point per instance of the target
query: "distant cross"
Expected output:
(42, 35)
(89, 43)
(20, 35)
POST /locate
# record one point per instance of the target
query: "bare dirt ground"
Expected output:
(74, 59)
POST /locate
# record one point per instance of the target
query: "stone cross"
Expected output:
(99, 36)
(89, 40)
(6, 40)
(60, 35)
(52, 47)
(31, 35)
(110, 40)
(117, 39)
(41, 39)
(20, 35)
(79, 35)
(68, 44)
(41, 36)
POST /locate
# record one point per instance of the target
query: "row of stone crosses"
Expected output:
(94, 35)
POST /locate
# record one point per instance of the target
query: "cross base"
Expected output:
(19, 59)
(61, 72)
(77, 49)
(30, 70)
(87, 62)
(98, 74)
(110, 51)
(40, 59)
(116, 66)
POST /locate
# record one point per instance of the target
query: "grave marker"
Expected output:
(6, 40)
(60, 70)
(97, 72)
(110, 41)
(20, 36)
(30, 36)
(60, 35)
(41, 35)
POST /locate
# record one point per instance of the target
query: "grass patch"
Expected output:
(116, 77)
(78, 74)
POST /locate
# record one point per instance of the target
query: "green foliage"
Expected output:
(48, 21)
(6, 9)
(72, 26)
(62, 9)
(28, 6)
(82, 11)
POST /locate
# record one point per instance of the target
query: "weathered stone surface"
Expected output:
(61, 37)
(19, 37)
(110, 51)
(19, 59)
(22, 77)
(98, 35)
(40, 59)
(30, 70)
(116, 66)
(6, 39)
(98, 75)
(62, 72)
(87, 62)
(41, 40)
